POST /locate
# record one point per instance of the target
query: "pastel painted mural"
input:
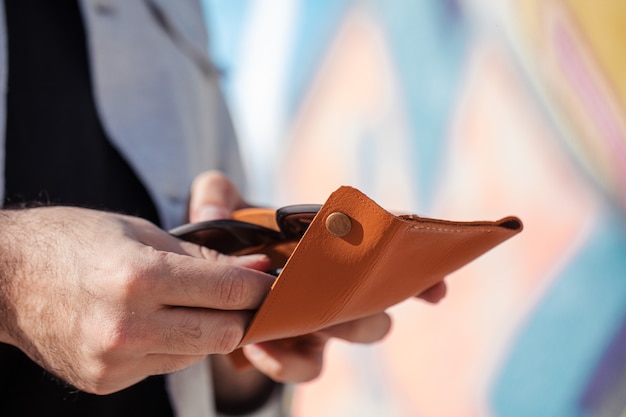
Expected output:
(464, 110)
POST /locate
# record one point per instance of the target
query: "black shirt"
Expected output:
(58, 153)
(57, 150)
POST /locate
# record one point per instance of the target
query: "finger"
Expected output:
(214, 281)
(189, 282)
(258, 261)
(435, 293)
(289, 360)
(213, 196)
(366, 330)
(162, 241)
(189, 331)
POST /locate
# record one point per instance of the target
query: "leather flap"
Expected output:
(262, 216)
(380, 261)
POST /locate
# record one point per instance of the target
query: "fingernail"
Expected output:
(212, 213)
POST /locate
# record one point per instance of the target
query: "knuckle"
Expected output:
(116, 337)
(102, 368)
(232, 290)
(209, 254)
(134, 277)
(119, 333)
(187, 333)
(229, 338)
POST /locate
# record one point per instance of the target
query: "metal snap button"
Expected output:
(338, 224)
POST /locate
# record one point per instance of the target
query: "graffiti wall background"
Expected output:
(460, 110)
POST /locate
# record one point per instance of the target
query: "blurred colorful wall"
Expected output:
(463, 110)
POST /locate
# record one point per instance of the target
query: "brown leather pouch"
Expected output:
(354, 260)
(357, 259)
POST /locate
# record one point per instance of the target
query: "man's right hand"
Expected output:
(105, 300)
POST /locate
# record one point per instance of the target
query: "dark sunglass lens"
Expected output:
(295, 220)
(227, 236)
(295, 225)
(220, 240)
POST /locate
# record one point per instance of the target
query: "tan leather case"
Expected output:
(357, 259)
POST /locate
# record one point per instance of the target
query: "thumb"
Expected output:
(213, 196)
(208, 212)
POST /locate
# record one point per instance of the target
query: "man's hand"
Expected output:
(292, 360)
(105, 300)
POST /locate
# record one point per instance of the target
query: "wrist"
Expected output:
(21, 241)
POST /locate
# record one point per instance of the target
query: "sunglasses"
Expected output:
(235, 237)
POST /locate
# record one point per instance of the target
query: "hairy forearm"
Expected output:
(4, 276)
(104, 300)
(28, 280)
(8, 263)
